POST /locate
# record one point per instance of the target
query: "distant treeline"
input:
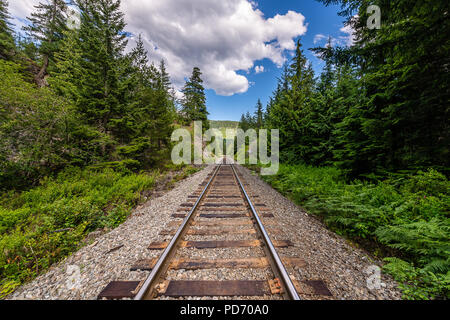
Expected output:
(223, 124)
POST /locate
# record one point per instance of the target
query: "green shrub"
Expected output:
(43, 225)
(408, 213)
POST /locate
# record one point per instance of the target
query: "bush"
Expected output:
(40, 132)
(45, 224)
(408, 215)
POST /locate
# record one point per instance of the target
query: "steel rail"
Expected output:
(158, 269)
(287, 282)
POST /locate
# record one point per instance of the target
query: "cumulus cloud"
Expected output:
(220, 37)
(349, 38)
(259, 69)
(319, 37)
(20, 10)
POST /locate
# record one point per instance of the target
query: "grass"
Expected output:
(44, 225)
(403, 219)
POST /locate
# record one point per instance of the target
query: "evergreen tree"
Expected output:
(259, 115)
(291, 110)
(47, 26)
(164, 76)
(103, 82)
(144, 73)
(194, 101)
(27, 47)
(6, 39)
(151, 111)
(68, 74)
(402, 122)
(243, 124)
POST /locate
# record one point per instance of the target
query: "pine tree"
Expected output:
(194, 101)
(164, 76)
(48, 24)
(103, 66)
(68, 74)
(243, 123)
(140, 64)
(6, 39)
(259, 115)
(402, 123)
(151, 112)
(291, 110)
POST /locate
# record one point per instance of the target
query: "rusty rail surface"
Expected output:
(279, 269)
(161, 265)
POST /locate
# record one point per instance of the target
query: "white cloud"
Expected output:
(319, 37)
(20, 10)
(220, 37)
(350, 37)
(259, 69)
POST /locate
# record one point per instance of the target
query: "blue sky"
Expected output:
(240, 45)
(320, 20)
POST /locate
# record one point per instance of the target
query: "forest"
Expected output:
(85, 130)
(365, 144)
(85, 133)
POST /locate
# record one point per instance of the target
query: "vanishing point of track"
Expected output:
(222, 208)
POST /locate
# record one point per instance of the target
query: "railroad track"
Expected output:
(220, 209)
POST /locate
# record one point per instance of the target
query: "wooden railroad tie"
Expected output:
(220, 244)
(196, 264)
(231, 288)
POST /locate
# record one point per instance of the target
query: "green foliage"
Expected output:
(194, 101)
(78, 119)
(409, 216)
(41, 226)
(417, 283)
(100, 65)
(7, 46)
(253, 122)
(40, 132)
(397, 119)
(47, 26)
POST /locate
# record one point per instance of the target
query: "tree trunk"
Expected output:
(40, 77)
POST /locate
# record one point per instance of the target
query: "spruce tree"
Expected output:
(150, 114)
(140, 64)
(243, 123)
(164, 76)
(291, 110)
(6, 39)
(103, 66)
(404, 78)
(259, 115)
(194, 101)
(68, 74)
(48, 24)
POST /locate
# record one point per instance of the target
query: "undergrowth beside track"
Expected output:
(403, 219)
(42, 226)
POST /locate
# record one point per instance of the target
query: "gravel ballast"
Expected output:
(329, 257)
